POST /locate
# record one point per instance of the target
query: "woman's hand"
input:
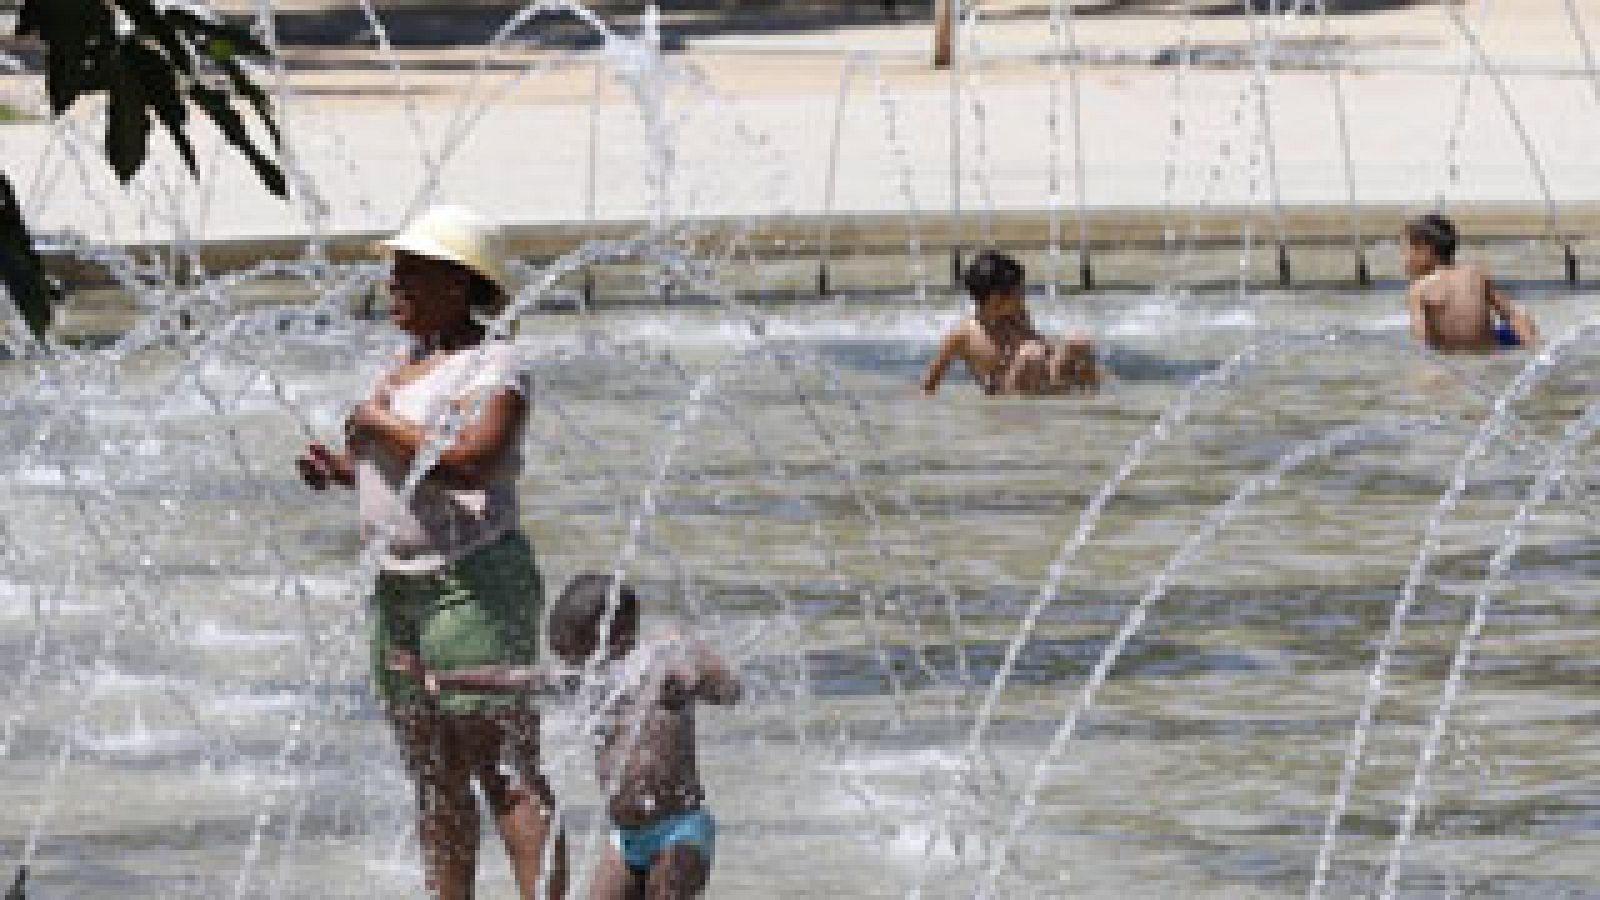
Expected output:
(468, 464)
(320, 467)
(312, 471)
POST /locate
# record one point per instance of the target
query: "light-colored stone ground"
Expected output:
(365, 137)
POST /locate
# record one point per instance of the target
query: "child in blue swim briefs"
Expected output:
(1455, 307)
(663, 837)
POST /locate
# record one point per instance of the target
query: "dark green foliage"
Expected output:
(19, 264)
(152, 65)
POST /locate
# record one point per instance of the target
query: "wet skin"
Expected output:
(1007, 355)
(1453, 308)
(446, 754)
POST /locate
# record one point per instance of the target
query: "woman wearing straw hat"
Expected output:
(457, 583)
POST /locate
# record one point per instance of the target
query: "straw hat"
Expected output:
(455, 234)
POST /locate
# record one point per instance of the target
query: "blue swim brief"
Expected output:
(640, 846)
(1505, 336)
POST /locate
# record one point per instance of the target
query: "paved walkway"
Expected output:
(365, 137)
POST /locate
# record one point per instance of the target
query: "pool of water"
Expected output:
(184, 663)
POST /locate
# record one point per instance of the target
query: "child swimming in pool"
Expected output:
(663, 837)
(1000, 346)
(1456, 308)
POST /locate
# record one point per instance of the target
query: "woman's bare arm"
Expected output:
(467, 464)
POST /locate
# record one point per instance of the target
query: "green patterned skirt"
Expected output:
(481, 610)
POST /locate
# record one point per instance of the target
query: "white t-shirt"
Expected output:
(440, 525)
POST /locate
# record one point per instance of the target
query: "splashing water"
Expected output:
(1206, 633)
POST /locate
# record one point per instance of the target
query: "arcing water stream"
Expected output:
(1221, 630)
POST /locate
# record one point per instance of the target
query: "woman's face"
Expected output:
(429, 297)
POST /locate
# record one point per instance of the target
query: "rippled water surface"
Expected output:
(182, 623)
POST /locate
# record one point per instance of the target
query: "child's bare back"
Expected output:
(1454, 308)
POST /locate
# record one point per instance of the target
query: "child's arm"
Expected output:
(535, 679)
(1521, 323)
(1419, 314)
(540, 678)
(951, 347)
(718, 683)
(703, 675)
(407, 663)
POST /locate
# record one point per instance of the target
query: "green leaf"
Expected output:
(161, 93)
(30, 19)
(20, 267)
(49, 19)
(127, 123)
(150, 25)
(78, 34)
(216, 106)
(254, 93)
(151, 71)
(63, 78)
(236, 41)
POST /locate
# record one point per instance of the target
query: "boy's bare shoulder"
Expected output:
(964, 332)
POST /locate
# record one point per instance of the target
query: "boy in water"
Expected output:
(663, 837)
(1456, 308)
(1000, 346)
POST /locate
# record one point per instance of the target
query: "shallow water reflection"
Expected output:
(183, 636)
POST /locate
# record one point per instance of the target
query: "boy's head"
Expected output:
(576, 617)
(1430, 242)
(995, 282)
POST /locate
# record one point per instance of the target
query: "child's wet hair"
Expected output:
(1435, 232)
(581, 608)
(992, 273)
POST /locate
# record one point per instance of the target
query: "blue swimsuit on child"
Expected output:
(640, 846)
(1506, 337)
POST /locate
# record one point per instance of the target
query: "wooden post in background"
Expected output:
(944, 30)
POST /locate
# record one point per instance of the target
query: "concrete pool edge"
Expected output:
(815, 242)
